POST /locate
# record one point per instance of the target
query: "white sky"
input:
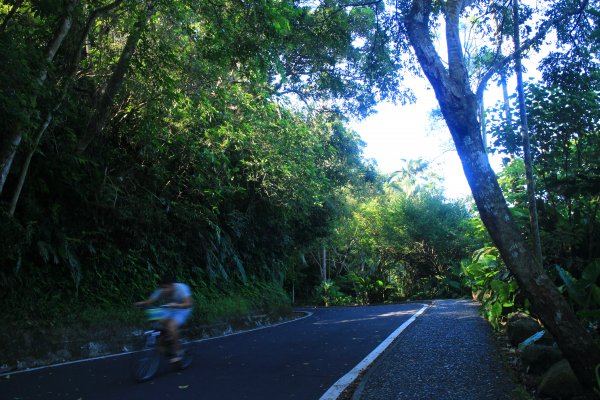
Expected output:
(405, 132)
(398, 132)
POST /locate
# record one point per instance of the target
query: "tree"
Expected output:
(14, 130)
(414, 177)
(566, 149)
(531, 201)
(68, 79)
(400, 242)
(458, 104)
(202, 164)
(107, 95)
(182, 102)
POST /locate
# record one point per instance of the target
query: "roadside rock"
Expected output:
(521, 328)
(560, 382)
(547, 339)
(38, 346)
(95, 349)
(539, 357)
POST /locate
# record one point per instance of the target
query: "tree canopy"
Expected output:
(210, 138)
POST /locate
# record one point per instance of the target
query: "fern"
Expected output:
(583, 292)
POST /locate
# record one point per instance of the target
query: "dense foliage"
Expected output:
(150, 136)
(159, 140)
(563, 116)
(397, 245)
(209, 139)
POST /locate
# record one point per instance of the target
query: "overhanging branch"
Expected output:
(526, 45)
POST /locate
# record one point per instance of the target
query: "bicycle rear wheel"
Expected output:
(145, 362)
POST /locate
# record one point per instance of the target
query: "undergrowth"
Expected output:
(74, 323)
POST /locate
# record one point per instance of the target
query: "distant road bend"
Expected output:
(301, 359)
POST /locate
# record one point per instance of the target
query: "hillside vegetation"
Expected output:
(210, 139)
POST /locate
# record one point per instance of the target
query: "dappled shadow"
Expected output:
(393, 314)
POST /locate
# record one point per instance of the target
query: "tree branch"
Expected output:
(456, 65)
(526, 45)
(417, 22)
(86, 31)
(366, 4)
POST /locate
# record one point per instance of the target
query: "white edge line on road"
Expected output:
(307, 314)
(336, 390)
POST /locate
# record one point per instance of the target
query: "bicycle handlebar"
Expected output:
(148, 307)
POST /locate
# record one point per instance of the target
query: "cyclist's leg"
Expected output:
(177, 319)
(173, 335)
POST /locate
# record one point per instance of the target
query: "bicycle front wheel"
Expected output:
(145, 362)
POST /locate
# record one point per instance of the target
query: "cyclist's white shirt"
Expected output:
(180, 292)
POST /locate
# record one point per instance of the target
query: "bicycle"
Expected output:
(155, 345)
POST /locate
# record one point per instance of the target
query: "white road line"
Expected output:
(336, 390)
(307, 314)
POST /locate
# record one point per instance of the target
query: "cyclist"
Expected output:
(179, 302)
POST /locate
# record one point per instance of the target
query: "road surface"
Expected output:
(301, 359)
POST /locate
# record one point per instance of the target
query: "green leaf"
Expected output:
(574, 291)
(591, 272)
(596, 294)
(591, 314)
(494, 314)
(501, 289)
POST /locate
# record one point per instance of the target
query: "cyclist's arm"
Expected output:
(151, 300)
(144, 303)
(185, 303)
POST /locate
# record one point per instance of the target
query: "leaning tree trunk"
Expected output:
(459, 106)
(14, 135)
(101, 115)
(8, 148)
(27, 162)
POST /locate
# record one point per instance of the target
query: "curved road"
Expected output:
(300, 359)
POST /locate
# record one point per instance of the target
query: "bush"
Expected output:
(491, 283)
(329, 294)
(235, 300)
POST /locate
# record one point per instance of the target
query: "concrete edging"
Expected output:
(15, 372)
(338, 387)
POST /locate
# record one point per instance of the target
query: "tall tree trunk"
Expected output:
(14, 133)
(8, 148)
(101, 115)
(459, 107)
(482, 122)
(324, 265)
(25, 167)
(533, 214)
(507, 112)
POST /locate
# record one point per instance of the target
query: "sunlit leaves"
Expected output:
(410, 241)
(491, 283)
(563, 120)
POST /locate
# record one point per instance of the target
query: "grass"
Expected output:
(62, 328)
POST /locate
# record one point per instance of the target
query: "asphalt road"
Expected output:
(296, 360)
